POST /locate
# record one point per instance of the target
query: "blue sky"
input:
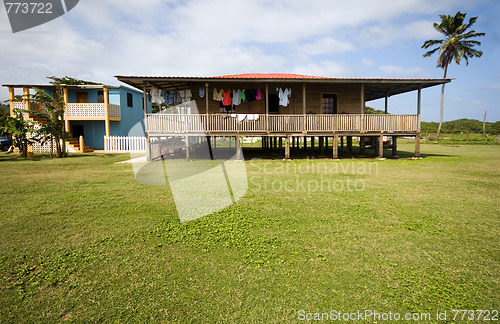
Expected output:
(334, 38)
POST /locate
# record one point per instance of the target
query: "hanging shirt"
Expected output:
(185, 95)
(156, 95)
(258, 96)
(169, 100)
(226, 98)
(283, 97)
(177, 97)
(218, 94)
(250, 94)
(201, 92)
(242, 95)
(236, 97)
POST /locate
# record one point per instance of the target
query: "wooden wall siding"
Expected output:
(348, 98)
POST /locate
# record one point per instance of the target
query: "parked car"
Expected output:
(5, 142)
(372, 140)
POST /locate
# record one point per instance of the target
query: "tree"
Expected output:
(20, 130)
(52, 128)
(457, 44)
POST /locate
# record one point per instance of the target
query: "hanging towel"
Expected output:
(241, 117)
(201, 92)
(259, 95)
(252, 117)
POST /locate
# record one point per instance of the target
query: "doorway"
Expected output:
(77, 131)
(329, 103)
(82, 97)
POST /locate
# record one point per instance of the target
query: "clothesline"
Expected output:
(227, 98)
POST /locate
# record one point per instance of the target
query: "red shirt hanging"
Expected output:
(226, 98)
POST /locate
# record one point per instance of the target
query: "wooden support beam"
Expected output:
(386, 104)
(66, 100)
(335, 147)
(305, 142)
(82, 144)
(349, 145)
(287, 147)
(321, 145)
(106, 110)
(12, 96)
(187, 147)
(362, 98)
(206, 98)
(281, 142)
(267, 107)
(419, 99)
(238, 150)
(381, 146)
(417, 145)
(395, 147)
(312, 142)
(304, 99)
(362, 145)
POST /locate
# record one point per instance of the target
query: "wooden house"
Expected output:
(315, 106)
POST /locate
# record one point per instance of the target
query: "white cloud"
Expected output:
(325, 45)
(99, 39)
(324, 68)
(394, 71)
(367, 62)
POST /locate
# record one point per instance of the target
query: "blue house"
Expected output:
(92, 111)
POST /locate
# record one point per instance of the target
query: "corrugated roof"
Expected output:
(270, 76)
(375, 88)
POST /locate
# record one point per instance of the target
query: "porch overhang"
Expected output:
(375, 88)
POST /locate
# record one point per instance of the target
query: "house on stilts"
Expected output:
(281, 108)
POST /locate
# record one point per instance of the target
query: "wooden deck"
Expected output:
(217, 124)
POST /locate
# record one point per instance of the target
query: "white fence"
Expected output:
(125, 144)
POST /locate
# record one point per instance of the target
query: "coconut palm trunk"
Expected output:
(442, 105)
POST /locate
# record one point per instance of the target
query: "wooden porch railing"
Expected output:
(289, 124)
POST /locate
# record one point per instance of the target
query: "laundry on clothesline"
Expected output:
(236, 100)
(284, 95)
(218, 94)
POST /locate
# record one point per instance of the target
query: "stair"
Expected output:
(38, 119)
(74, 143)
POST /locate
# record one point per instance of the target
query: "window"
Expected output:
(100, 96)
(329, 103)
(130, 102)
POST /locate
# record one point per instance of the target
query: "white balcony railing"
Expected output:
(92, 110)
(248, 124)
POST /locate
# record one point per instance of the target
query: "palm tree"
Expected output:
(457, 44)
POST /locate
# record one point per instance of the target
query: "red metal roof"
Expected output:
(269, 76)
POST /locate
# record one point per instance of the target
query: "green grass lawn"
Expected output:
(82, 240)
